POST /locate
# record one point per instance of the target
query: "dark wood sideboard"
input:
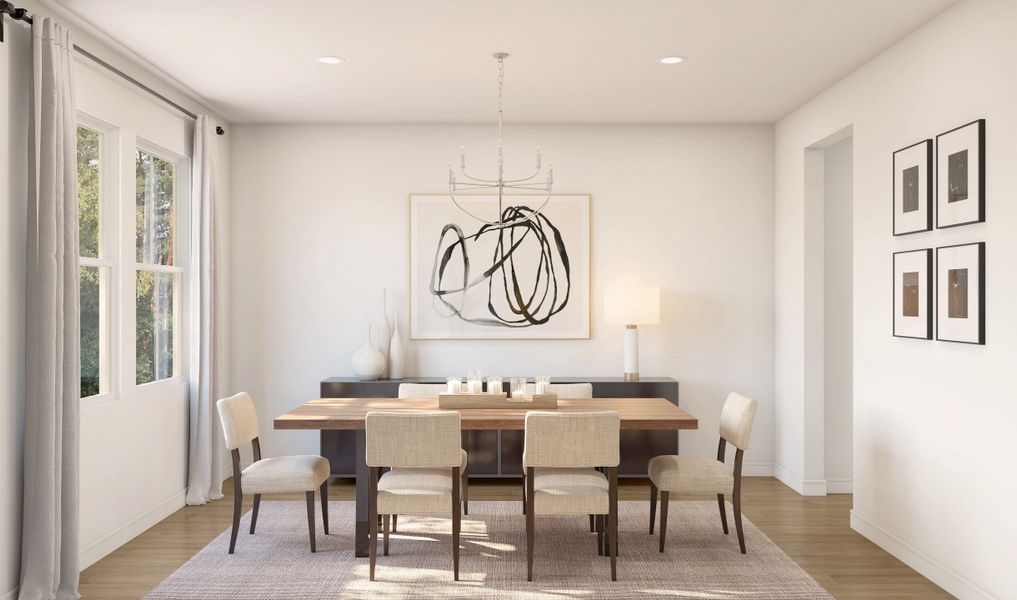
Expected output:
(500, 453)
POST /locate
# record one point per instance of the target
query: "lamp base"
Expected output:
(632, 376)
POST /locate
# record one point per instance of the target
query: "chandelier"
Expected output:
(469, 184)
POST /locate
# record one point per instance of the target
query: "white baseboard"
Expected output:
(11, 595)
(805, 487)
(932, 569)
(120, 536)
(840, 486)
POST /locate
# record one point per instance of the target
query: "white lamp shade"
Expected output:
(632, 305)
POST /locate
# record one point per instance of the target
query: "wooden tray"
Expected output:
(540, 401)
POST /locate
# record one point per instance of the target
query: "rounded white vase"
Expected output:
(368, 362)
(384, 333)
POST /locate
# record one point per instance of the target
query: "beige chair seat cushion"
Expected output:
(406, 491)
(284, 474)
(690, 475)
(570, 492)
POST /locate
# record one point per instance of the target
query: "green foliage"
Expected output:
(89, 186)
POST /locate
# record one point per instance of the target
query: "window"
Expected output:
(95, 266)
(157, 275)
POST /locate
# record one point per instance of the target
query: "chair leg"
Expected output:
(593, 526)
(737, 501)
(723, 512)
(663, 518)
(395, 520)
(529, 527)
(372, 518)
(466, 491)
(323, 490)
(612, 517)
(456, 523)
(524, 493)
(254, 512)
(385, 521)
(310, 518)
(238, 505)
(599, 520)
(653, 505)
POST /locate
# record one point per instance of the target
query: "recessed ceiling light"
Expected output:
(331, 60)
(671, 60)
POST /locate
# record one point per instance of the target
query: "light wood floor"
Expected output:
(814, 531)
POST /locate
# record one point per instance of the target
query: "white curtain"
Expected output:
(207, 450)
(49, 540)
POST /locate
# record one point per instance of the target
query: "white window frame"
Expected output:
(109, 228)
(181, 249)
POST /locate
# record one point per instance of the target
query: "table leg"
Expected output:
(363, 474)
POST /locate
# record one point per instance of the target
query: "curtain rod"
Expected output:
(20, 14)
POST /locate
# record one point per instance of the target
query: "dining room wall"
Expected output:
(933, 421)
(319, 227)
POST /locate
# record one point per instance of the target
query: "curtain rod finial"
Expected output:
(220, 130)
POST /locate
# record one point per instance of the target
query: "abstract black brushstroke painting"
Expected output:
(531, 300)
(525, 277)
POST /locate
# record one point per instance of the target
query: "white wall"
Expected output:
(124, 488)
(933, 421)
(319, 226)
(837, 315)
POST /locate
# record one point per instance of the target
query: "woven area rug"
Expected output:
(700, 562)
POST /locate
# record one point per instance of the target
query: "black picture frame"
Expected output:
(929, 279)
(929, 187)
(980, 289)
(979, 173)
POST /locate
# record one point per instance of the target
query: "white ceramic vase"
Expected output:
(368, 362)
(384, 332)
(395, 350)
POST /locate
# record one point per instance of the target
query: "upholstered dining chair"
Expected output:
(562, 390)
(562, 452)
(424, 453)
(698, 476)
(279, 475)
(432, 390)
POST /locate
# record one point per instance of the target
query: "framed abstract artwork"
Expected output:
(960, 175)
(960, 292)
(475, 280)
(912, 188)
(912, 294)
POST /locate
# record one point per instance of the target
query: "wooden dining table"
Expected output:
(350, 414)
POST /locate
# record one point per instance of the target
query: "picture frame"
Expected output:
(462, 282)
(912, 294)
(960, 293)
(960, 175)
(912, 188)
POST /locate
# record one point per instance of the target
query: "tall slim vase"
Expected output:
(396, 356)
(384, 331)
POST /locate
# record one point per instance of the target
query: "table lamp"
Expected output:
(631, 306)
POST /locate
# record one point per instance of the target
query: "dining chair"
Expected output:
(279, 475)
(562, 453)
(698, 476)
(424, 453)
(562, 390)
(432, 390)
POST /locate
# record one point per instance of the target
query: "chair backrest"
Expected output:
(421, 390)
(416, 440)
(239, 420)
(736, 420)
(571, 439)
(566, 390)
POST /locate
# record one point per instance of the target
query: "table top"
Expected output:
(349, 413)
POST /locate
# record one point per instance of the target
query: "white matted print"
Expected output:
(470, 280)
(960, 293)
(912, 294)
(960, 179)
(912, 188)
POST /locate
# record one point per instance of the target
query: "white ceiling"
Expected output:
(572, 60)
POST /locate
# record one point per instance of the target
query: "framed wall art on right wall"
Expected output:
(960, 293)
(960, 175)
